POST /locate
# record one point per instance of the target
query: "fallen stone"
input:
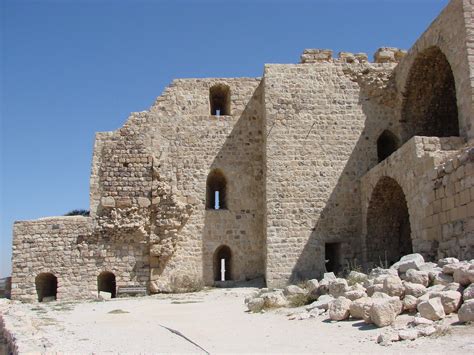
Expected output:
(466, 312)
(440, 278)
(322, 303)
(378, 271)
(354, 294)
(256, 304)
(431, 309)
(450, 268)
(451, 300)
(312, 285)
(411, 261)
(382, 313)
(408, 334)
(468, 293)
(426, 331)
(446, 261)
(413, 289)
(422, 321)
(339, 309)
(356, 277)
(429, 266)
(274, 299)
(417, 277)
(453, 286)
(409, 303)
(386, 339)
(360, 308)
(105, 295)
(292, 290)
(393, 286)
(374, 289)
(463, 275)
(337, 287)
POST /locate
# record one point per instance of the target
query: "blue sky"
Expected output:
(73, 68)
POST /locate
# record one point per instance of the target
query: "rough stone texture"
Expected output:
(431, 309)
(468, 293)
(409, 303)
(466, 312)
(451, 300)
(417, 277)
(339, 309)
(364, 162)
(384, 312)
(360, 308)
(393, 286)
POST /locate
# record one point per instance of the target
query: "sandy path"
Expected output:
(216, 320)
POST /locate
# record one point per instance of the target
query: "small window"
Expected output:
(222, 263)
(216, 191)
(386, 145)
(219, 99)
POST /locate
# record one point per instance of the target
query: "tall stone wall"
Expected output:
(322, 123)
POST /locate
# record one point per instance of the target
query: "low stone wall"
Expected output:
(451, 215)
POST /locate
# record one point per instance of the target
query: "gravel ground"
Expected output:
(213, 321)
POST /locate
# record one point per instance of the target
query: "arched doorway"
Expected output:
(388, 224)
(430, 105)
(46, 287)
(223, 257)
(106, 283)
(387, 143)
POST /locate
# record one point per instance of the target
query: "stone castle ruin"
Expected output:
(314, 166)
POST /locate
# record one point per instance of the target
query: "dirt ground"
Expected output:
(213, 321)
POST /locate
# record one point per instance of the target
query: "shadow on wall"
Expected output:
(429, 108)
(334, 243)
(240, 225)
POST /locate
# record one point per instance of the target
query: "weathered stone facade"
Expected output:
(314, 165)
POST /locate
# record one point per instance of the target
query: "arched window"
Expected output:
(106, 283)
(46, 287)
(216, 191)
(430, 105)
(219, 99)
(386, 145)
(222, 263)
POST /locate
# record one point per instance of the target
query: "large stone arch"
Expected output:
(46, 286)
(388, 223)
(447, 33)
(430, 103)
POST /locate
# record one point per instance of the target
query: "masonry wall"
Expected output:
(451, 214)
(452, 33)
(321, 129)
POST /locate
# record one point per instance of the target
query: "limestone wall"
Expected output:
(451, 214)
(322, 123)
(70, 249)
(448, 33)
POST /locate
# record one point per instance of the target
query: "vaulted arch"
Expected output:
(430, 104)
(216, 190)
(388, 223)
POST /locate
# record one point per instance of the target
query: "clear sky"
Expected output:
(72, 68)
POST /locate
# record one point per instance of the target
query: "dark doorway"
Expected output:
(388, 224)
(222, 253)
(106, 283)
(332, 256)
(46, 286)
